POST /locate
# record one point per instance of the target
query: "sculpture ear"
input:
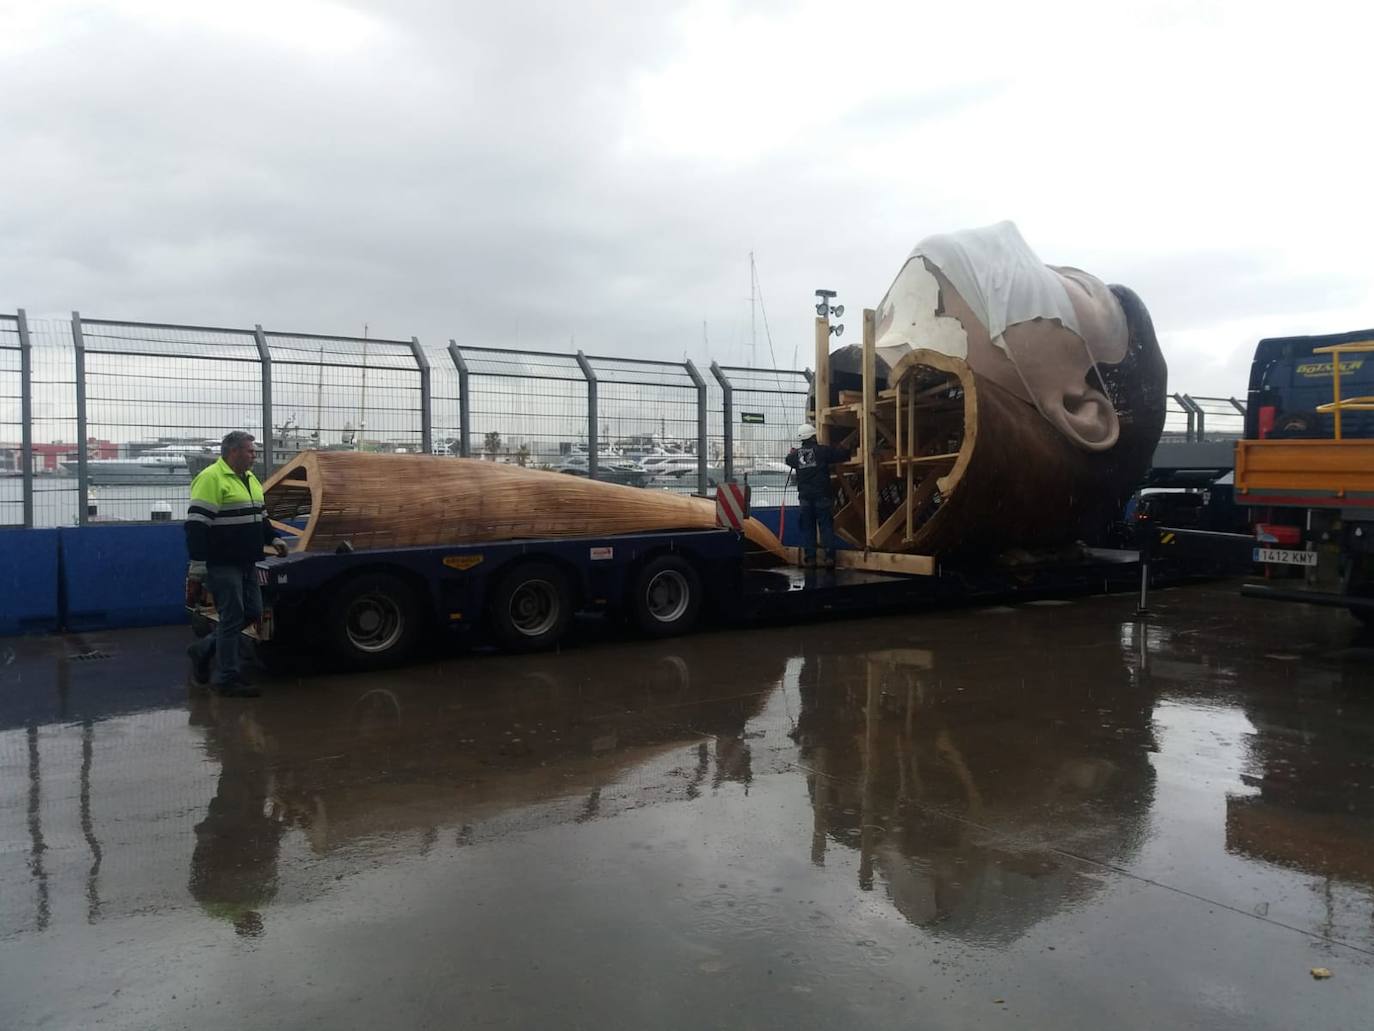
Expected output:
(1084, 414)
(1059, 377)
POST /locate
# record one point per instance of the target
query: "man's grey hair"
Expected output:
(234, 439)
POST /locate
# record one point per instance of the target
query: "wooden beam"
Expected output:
(887, 562)
(870, 430)
(918, 498)
(911, 447)
(897, 420)
(923, 460)
(890, 527)
(820, 383)
(939, 388)
(294, 531)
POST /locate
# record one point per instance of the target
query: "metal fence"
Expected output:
(1195, 419)
(105, 420)
(108, 421)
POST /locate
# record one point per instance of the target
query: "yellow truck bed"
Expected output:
(1336, 473)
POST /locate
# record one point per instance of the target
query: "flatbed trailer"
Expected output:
(371, 608)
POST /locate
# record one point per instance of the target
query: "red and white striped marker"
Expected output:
(732, 509)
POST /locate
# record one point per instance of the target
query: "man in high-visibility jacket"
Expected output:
(227, 531)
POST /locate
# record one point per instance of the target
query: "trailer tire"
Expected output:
(666, 597)
(531, 607)
(373, 621)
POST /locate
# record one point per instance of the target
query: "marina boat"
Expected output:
(166, 464)
(610, 468)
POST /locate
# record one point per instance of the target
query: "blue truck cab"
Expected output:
(1289, 384)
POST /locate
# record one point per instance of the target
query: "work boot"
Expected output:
(200, 665)
(237, 688)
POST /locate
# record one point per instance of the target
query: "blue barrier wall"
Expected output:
(129, 575)
(28, 581)
(769, 517)
(132, 575)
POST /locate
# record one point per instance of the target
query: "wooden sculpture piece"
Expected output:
(1005, 404)
(397, 501)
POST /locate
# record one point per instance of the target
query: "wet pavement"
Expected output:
(1053, 815)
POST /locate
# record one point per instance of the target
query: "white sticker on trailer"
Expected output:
(601, 554)
(1282, 556)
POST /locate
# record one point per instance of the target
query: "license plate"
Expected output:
(1285, 557)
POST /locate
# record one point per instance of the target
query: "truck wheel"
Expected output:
(374, 621)
(531, 607)
(667, 597)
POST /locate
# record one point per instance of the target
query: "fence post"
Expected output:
(265, 361)
(464, 404)
(592, 433)
(1196, 409)
(426, 420)
(1188, 411)
(82, 446)
(727, 418)
(26, 414)
(697, 378)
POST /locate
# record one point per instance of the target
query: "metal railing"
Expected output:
(1195, 419)
(105, 420)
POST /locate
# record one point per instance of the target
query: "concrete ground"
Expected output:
(1049, 816)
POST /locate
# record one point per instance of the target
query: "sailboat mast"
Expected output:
(753, 330)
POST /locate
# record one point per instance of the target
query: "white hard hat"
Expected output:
(805, 431)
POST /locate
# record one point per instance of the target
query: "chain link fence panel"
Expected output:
(767, 406)
(159, 398)
(11, 424)
(344, 393)
(649, 415)
(527, 408)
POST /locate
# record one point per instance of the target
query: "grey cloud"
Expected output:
(467, 174)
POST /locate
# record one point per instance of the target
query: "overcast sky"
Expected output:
(530, 174)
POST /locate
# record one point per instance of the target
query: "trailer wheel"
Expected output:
(667, 597)
(531, 607)
(374, 621)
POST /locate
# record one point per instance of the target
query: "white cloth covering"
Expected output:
(997, 274)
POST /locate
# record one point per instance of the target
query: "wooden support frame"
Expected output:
(903, 435)
(820, 385)
(868, 431)
(881, 562)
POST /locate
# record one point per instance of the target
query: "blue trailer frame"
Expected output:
(456, 580)
(459, 587)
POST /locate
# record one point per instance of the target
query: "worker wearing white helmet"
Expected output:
(812, 461)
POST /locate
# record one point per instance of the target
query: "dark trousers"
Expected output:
(817, 513)
(238, 600)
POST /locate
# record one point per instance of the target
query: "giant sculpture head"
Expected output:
(1054, 336)
(1071, 365)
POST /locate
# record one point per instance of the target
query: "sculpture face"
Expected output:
(1045, 334)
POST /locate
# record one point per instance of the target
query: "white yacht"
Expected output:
(169, 463)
